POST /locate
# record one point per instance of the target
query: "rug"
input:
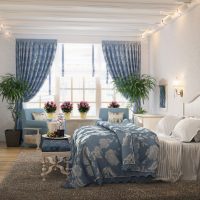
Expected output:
(24, 182)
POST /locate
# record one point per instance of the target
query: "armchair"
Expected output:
(33, 127)
(103, 114)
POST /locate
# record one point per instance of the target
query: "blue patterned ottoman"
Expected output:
(55, 153)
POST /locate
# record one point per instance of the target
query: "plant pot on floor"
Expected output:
(12, 138)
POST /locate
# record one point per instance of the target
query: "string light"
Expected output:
(169, 18)
(4, 31)
(7, 34)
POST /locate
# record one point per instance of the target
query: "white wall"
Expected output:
(175, 51)
(7, 65)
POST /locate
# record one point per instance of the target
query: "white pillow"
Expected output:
(186, 129)
(115, 117)
(40, 116)
(167, 124)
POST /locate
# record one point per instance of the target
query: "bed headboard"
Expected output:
(192, 108)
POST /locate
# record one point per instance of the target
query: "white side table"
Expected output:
(32, 139)
(148, 121)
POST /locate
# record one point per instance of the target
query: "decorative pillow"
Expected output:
(40, 116)
(197, 137)
(115, 117)
(167, 124)
(186, 129)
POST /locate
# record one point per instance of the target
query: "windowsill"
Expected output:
(79, 119)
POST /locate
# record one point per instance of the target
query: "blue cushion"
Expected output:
(51, 145)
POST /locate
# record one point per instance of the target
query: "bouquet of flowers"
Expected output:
(67, 107)
(50, 107)
(113, 104)
(83, 107)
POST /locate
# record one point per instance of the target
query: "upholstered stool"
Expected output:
(55, 154)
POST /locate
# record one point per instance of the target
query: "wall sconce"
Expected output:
(178, 85)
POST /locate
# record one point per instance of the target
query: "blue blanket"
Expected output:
(112, 153)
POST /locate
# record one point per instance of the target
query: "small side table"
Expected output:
(32, 138)
(54, 153)
(148, 121)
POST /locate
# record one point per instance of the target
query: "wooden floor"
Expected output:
(7, 158)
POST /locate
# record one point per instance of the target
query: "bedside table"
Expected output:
(148, 121)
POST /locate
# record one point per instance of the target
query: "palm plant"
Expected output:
(12, 90)
(135, 88)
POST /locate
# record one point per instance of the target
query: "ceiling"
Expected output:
(102, 19)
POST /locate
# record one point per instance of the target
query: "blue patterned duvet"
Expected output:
(112, 153)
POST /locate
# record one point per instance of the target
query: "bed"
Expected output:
(113, 153)
(180, 160)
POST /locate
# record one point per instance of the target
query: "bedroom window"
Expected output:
(71, 79)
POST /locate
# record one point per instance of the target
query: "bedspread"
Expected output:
(112, 153)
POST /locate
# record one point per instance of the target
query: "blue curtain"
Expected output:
(162, 96)
(122, 58)
(34, 59)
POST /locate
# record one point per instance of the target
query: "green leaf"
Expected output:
(135, 87)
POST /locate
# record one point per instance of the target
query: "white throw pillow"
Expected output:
(167, 124)
(115, 117)
(39, 116)
(186, 129)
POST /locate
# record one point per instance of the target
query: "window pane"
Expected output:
(65, 82)
(105, 85)
(92, 111)
(90, 95)
(104, 105)
(107, 95)
(77, 95)
(90, 82)
(120, 98)
(65, 95)
(47, 98)
(77, 82)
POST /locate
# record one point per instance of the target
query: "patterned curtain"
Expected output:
(34, 59)
(122, 58)
(162, 96)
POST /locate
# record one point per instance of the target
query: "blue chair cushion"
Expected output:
(51, 145)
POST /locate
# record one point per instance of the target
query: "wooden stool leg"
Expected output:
(43, 169)
(38, 139)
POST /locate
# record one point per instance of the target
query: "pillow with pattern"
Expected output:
(40, 116)
(115, 117)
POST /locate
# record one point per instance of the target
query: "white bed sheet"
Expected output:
(178, 160)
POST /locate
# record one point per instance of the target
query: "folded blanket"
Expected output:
(136, 143)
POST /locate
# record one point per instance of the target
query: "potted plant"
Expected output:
(67, 108)
(50, 108)
(12, 90)
(83, 108)
(135, 88)
(113, 104)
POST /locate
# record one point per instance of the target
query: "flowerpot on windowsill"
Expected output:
(83, 115)
(50, 116)
(13, 137)
(67, 115)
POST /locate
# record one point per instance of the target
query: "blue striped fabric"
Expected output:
(34, 59)
(122, 58)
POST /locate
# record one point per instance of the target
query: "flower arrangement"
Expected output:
(83, 107)
(113, 104)
(67, 107)
(50, 107)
